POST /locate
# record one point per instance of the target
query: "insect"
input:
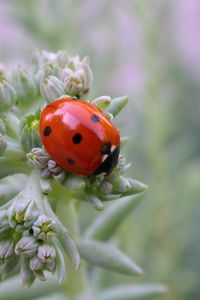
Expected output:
(77, 135)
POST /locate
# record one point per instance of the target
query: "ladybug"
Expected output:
(77, 135)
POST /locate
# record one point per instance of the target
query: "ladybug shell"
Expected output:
(78, 137)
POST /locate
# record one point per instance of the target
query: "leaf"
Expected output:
(64, 237)
(132, 292)
(117, 104)
(108, 257)
(10, 167)
(60, 263)
(108, 222)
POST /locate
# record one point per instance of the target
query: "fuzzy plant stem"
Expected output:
(75, 282)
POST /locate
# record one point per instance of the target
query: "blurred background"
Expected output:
(149, 50)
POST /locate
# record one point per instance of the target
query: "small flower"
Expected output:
(61, 58)
(7, 95)
(77, 77)
(6, 250)
(27, 246)
(42, 57)
(57, 172)
(51, 88)
(3, 144)
(44, 227)
(46, 253)
(25, 85)
(22, 213)
(29, 131)
(38, 158)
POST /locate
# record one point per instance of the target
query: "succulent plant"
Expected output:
(40, 201)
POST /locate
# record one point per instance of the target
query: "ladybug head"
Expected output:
(109, 163)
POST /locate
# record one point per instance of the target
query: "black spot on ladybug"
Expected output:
(77, 138)
(95, 118)
(106, 148)
(71, 161)
(47, 131)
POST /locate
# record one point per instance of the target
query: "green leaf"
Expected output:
(117, 104)
(108, 222)
(133, 292)
(12, 289)
(108, 257)
(10, 167)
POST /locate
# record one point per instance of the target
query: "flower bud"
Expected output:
(38, 158)
(46, 253)
(41, 57)
(3, 144)
(27, 246)
(106, 187)
(2, 127)
(117, 105)
(25, 85)
(102, 102)
(77, 77)
(57, 172)
(36, 263)
(44, 227)
(6, 250)
(22, 213)
(29, 131)
(61, 59)
(51, 88)
(121, 185)
(8, 95)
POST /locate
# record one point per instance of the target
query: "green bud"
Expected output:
(38, 158)
(62, 58)
(44, 227)
(27, 246)
(41, 57)
(22, 213)
(25, 85)
(106, 187)
(102, 102)
(45, 71)
(29, 131)
(2, 127)
(51, 88)
(117, 104)
(6, 250)
(121, 185)
(7, 95)
(77, 77)
(3, 144)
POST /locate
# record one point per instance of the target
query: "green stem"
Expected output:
(76, 281)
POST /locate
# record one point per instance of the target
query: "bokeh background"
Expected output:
(149, 50)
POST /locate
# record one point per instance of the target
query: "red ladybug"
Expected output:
(78, 137)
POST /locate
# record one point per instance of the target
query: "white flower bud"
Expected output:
(46, 253)
(51, 88)
(26, 246)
